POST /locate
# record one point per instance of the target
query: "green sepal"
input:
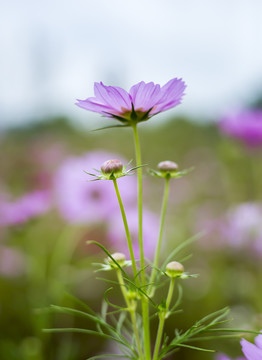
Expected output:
(170, 174)
(113, 176)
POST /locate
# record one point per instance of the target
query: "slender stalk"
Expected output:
(128, 237)
(144, 301)
(132, 309)
(160, 236)
(162, 317)
(139, 202)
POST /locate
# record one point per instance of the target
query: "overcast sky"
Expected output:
(53, 51)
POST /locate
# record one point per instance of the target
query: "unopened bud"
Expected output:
(174, 269)
(132, 295)
(118, 257)
(167, 166)
(112, 166)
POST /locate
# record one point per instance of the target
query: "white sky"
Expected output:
(53, 51)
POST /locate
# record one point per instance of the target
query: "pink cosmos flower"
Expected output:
(142, 102)
(245, 125)
(252, 351)
(21, 210)
(82, 201)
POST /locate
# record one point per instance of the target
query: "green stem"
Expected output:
(131, 304)
(128, 237)
(139, 203)
(162, 317)
(160, 236)
(170, 293)
(144, 301)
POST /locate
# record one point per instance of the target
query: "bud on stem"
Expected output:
(112, 167)
(174, 269)
(167, 166)
(119, 258)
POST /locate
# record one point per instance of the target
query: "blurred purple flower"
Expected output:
(117, 236)
(12, 262)
(245, 125)
(21, 210)
(252, 351)
(83, 201)
(225, 357)
(143, 100)
(243, 227)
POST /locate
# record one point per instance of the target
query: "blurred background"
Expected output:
(51, 54)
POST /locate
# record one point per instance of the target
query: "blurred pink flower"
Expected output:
(116, 232)
(142, 102)
(12, 262)
(82, 201)
(23, 209)
(242, 227)
(245, 125)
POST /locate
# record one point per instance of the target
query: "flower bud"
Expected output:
(167, 166)
(112, 166)
(174, 269)
(132, 295)
(118, 257)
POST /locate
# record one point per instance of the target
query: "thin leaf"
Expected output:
(108, 281)
(88, 173)
(108, 254)
(121, 320)
(81, 303)
(110, 356)
(221, 313)
(104, 308)
(96, 319)
(195, 348)
(84, 331)
(235, 330)
(139, 272)
(204, 338)
(110, 127)
(142, 292)
(185, 258)
(181, 246)
(111, 304)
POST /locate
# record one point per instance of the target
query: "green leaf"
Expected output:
(109, 255)
(104, 308)
(108, 281)
(111, 127)
(206, 338)
(95, 318)
(111, 304)
(84, 331)
(236, 330)
(195, 347)
(110, 356)
(180, 247)
(120, 322)
(81, 303)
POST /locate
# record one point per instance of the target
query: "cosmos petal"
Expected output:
(145, 95)
(111, 96)
(251, 351)
(90, 105)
